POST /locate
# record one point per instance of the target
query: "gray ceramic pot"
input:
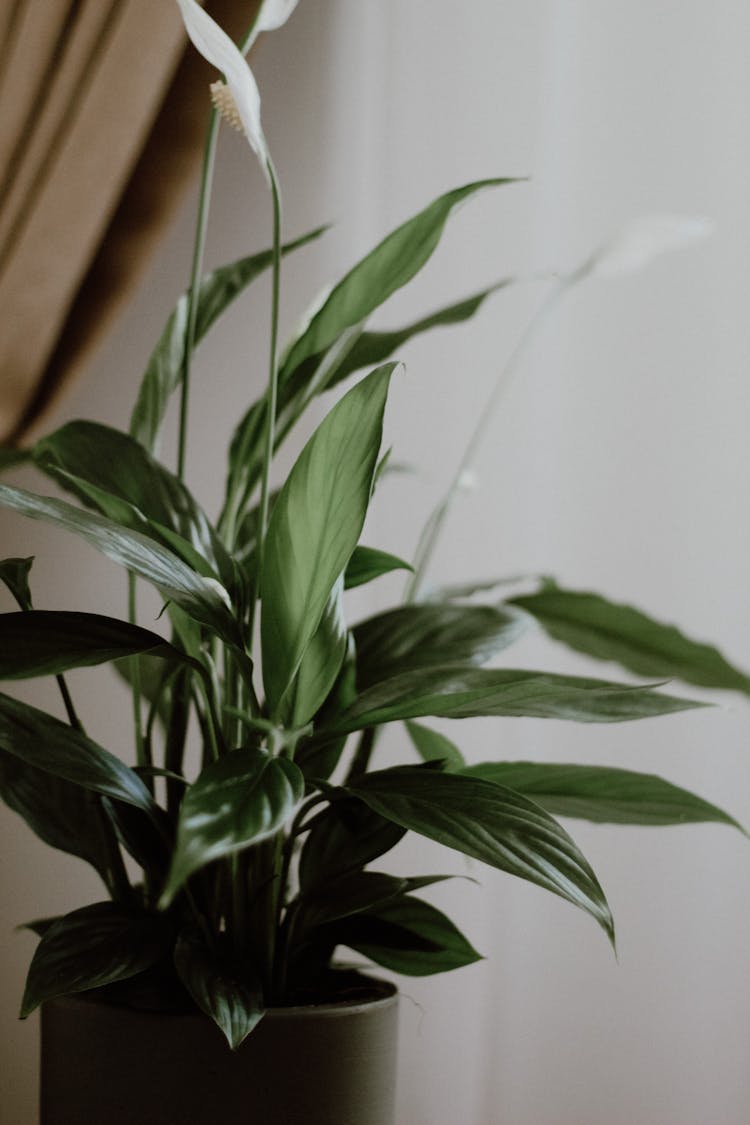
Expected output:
(328, 1064)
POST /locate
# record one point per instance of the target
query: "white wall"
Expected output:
(619, 463)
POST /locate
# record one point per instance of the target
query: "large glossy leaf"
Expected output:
(92, 947)
(611, 631)
(372, 348)
(47, 642)
(432, 746)
(461, 693)
(602, 793)
(60, 813)
(235, 1005)
(344, 838)
(237, 801)
(367, 563)
(14, 573)
(201, 598)
(119, 466)
(217, 290)
(321, 662)
(320, 355)
(392, 263)
(491, 823)
(58, 749)
(315, 526)
(408, 936)
(427, 636)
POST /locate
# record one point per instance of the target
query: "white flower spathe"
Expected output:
(645, 239)
(273, 14)
(219, 50)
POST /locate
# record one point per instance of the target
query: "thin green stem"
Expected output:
(69, 708)
(434, 526)
(142, 755)
(272, 397)
(196, 272)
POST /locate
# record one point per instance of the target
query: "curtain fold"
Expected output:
(103, 121)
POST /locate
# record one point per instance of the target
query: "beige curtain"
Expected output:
(103, 116)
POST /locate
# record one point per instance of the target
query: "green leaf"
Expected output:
(243, 798)
(320, 664)
(319, 356)
(428, 636)
(15, 574)
(392, 263)
(461, 693)
(609, 631)
(367, 563)
(601, 793)
(217, 290)
(490, 823)
(52, 746)
(315, 526)
(203, 599)
(60, 813)
(435, 747)
(234, 1005)
(350, 894)
(372, 348)
(344, 838)
(409, 936)
(119, 467)
(92, 947)
(9, 458)
(48, 642)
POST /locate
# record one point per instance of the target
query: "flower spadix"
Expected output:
(646, 238)
(238, 98)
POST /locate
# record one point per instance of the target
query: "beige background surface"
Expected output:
(619, 462)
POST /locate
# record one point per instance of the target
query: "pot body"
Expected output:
(328, 1064)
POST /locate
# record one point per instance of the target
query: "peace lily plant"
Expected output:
(254, 869)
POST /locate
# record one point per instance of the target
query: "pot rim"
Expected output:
(384, 994)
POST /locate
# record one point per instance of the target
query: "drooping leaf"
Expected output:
(60, 813)
(461, 693)
(320, 664)
(92, 947)
(607, 630)
(435, 747)
(344, 838)
(235, 1005)
(237, 801)
(392, 263)
(119, 466)
(203, 599)
(491, 823)
(47, 744)
(14, 573)
(409, 936)
(47, 642)
(367, 563)
(426, 636)
(217, 290)
(602, 793)
(315, 526)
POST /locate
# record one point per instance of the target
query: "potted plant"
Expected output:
(255, 867)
